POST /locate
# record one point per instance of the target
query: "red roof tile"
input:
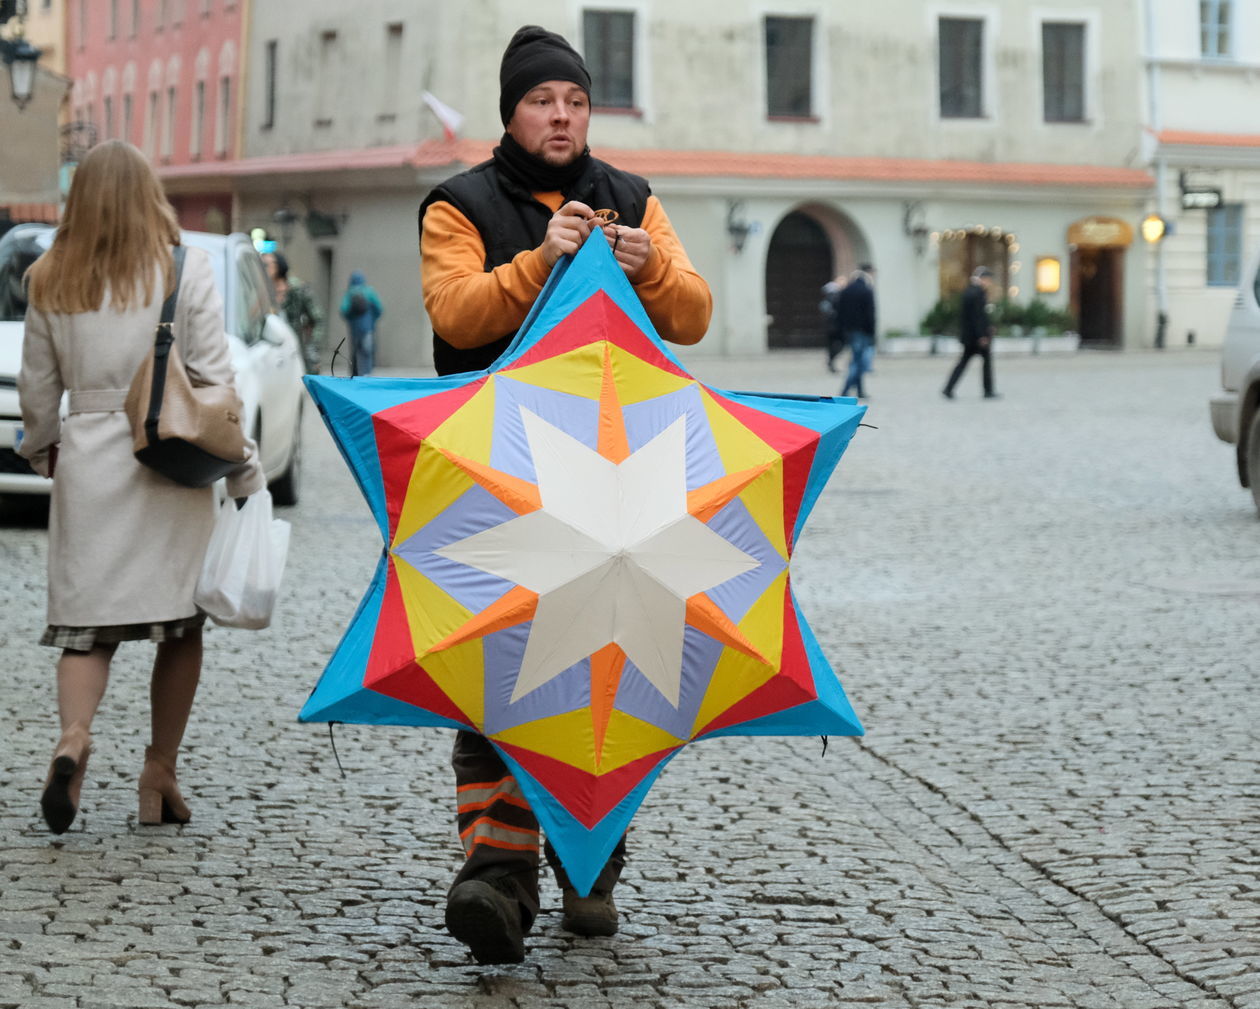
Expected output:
(1190, 138)
(722, 164)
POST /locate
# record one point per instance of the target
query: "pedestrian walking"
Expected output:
(125, 544)
(488, 240)
(361, 308)
(855, 316)
(829, 309)
(976, 332)
(299, 307)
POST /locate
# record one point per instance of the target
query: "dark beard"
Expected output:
(536, 174)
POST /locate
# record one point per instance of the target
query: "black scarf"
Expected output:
(532, 173)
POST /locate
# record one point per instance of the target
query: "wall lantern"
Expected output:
(915, 227)
(737, 225)
(1049, 274)
(1155, 228)
(20, 57)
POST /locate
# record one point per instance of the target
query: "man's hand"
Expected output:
(631, 247)
(567, 230)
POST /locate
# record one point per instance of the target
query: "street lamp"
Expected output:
(20, 57)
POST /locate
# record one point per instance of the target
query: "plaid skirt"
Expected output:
(84, 639)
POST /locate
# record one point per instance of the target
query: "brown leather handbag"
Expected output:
(190, 434)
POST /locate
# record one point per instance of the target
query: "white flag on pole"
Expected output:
(450, 119)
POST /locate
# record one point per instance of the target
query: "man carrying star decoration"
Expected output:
(488, 240)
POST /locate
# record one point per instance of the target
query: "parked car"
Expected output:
(1236, 409)
(265, 352)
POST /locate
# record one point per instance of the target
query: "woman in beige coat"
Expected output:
(125, 545)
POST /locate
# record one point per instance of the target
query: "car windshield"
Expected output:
(19, 248)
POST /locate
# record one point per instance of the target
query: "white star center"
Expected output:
(612, 553)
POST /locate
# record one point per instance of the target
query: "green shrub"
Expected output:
(943, 317)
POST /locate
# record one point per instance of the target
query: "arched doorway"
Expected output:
(1098, 245)
(798, 263)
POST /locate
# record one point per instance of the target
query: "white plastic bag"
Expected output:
(244, 562)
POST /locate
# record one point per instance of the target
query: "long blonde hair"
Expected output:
(117, 227)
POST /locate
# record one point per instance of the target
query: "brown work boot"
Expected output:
(487, 921)
(593, 915)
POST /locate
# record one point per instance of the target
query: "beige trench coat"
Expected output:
(125, 545)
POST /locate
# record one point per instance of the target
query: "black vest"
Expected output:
(510, 221)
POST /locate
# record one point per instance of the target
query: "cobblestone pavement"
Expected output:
(1045, 609)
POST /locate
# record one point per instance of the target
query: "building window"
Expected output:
(608, 45)
(126, 123)
(82, 23)
(135, 18)
(223, 123)
(1215, 37)
(393, 61)
(168, 130)
(113, 19)
(199, 120)
(961, 67)
(327, 86)
(1224, 245)
(789, 67)
(109, 117)
(1063, 72)
(269, 84)
(151, 125)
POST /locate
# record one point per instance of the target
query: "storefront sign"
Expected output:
(1200, 199)
(1100, 231)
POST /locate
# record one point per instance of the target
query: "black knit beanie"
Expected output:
(533, 56)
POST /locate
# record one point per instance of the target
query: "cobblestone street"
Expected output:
(1045, 609)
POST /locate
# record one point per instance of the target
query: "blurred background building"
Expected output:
(1203, 143)
(788, 143)
(29, 151)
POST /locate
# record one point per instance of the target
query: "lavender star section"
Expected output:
(645, 420)
(472, 512)
(735, 524)
(638, 697)
(509, 452)
(568, 691)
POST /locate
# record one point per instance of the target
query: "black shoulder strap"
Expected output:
(162, 351)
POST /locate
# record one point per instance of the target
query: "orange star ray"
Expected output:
(613, 443)
(607, 666)
(704, 615)
(705, 502)
(519, 495)
(516, 606)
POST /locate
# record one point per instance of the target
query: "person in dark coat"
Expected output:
(489, 238)
(976, 332)
(855, 317)
(831, 319)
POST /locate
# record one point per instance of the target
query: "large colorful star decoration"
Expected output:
(585, 557)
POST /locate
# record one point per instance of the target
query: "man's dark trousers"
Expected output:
(500, 832)
(970, 350)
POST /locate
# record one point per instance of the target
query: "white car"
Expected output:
(265, 352)
(1236, 409)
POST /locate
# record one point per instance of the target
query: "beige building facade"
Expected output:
(1203, 144)
(788, 142)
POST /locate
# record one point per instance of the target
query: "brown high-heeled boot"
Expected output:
(160, 800)
(60, 801)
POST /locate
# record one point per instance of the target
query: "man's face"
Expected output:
(269, 261)
(551, 122)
